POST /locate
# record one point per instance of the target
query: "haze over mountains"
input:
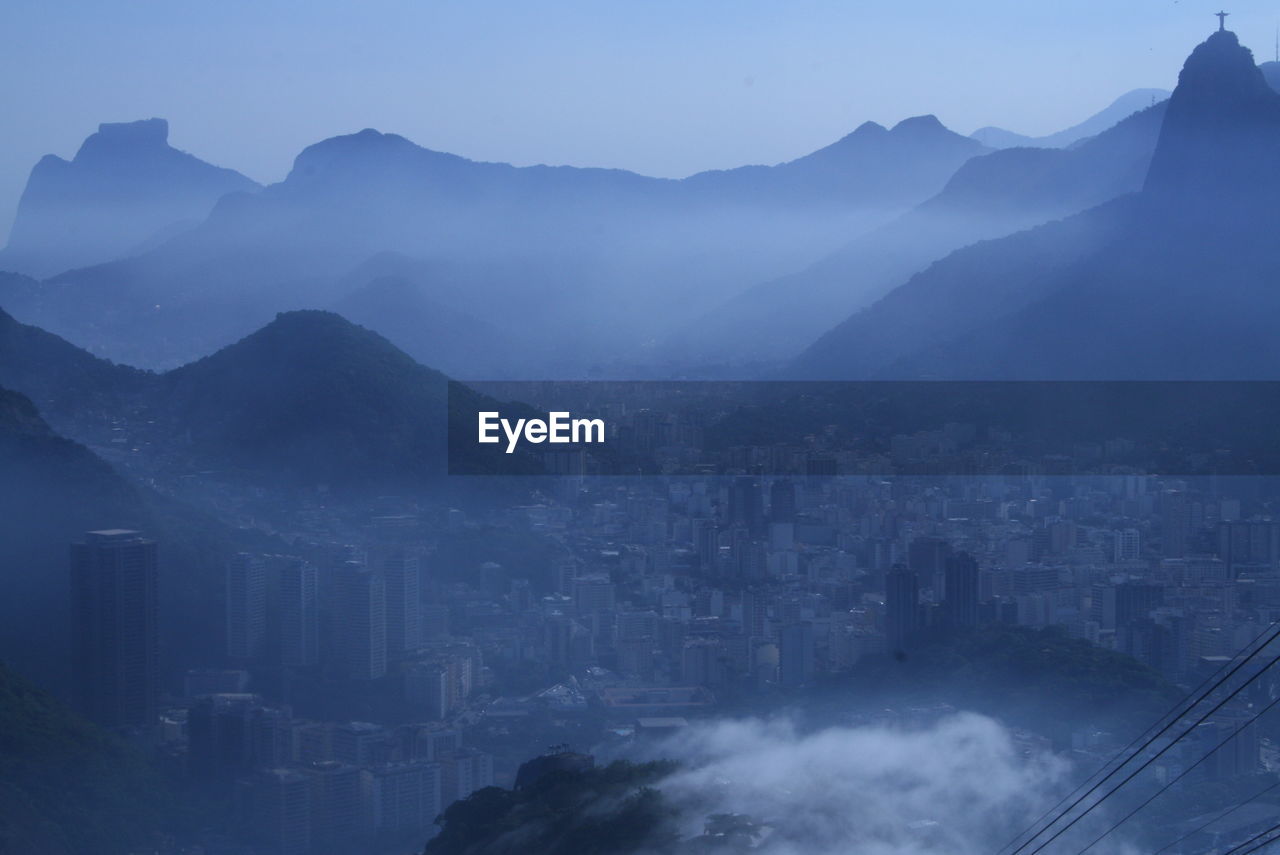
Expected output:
(1174, 282)
(125, 187)
(1126, 105)
(583, 261)
(988, 197)
(297, 351)
(484, 270)
(309, 399)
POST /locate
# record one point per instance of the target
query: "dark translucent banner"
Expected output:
(868, 428)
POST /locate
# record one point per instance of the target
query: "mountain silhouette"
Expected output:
(1174, 282)
(591, 261)
(126, 186)
(913, 160)
(310, 398)
(1126, 105)
(1220, 133)
(72, 388)
(312, 395)
(990, 196)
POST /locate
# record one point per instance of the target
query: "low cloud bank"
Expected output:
(963, 785)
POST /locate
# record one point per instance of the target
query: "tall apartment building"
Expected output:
(246, 606)
(401, 797)
(361, 631)
(402, 576)
(114, 580)
(902, 604)
(299, 614)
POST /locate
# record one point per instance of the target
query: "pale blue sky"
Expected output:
(658, 86)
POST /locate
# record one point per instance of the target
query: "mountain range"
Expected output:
(308, 399)
(1176, 281)
(934, 247)
(551, 269)
(1126, 105)
(990, 196)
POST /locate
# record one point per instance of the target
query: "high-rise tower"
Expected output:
(114, 578)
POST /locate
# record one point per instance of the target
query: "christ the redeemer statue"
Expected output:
(1222, 20)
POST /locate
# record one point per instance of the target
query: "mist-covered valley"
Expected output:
(263, 591)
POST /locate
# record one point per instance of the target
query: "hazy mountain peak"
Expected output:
(926, 130)
(297, 339)
(367, 138)
(367, 141)
(1222, 129)
(1222, 71)
(867, 128)
(125, 186)
(315, 397)
(128, 137)
(916, 125)
(360, 156)
(311, 327)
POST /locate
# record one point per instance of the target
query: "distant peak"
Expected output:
(308, 319)
(919, 124)
(1221, 127)
(371, 136)
(116, 137)
(368, 139)
(362, 144)
(305, 331)
(363, 139)
(1222, 40)
(156, 130)
(1220, 68)
(870, 128)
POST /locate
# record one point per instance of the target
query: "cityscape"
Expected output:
(658, 602)
(677, 442)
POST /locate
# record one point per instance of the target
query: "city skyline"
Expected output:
(929, 477)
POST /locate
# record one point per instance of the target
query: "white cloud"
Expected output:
(960, 786)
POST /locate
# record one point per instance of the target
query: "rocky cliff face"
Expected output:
(1220, 145)
(125, 187)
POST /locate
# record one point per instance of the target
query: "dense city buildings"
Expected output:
(383, 670)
